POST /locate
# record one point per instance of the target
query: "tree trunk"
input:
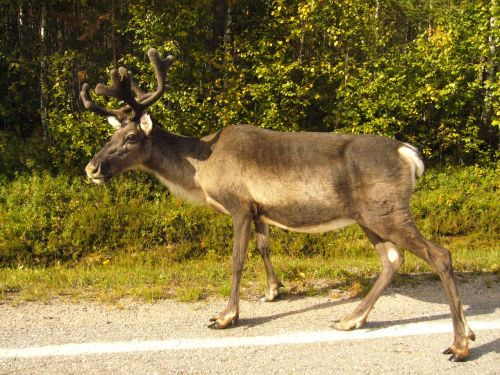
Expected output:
(431, 19)
(346, 68)
(487, 78)
(113, 36)
(228, 38)
(490, 71)
(44, 97)
(219, 25)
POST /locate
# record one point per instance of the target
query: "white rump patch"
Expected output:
(114, 122)
(318, 228)
(410, 154)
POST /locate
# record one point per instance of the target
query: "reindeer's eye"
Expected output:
(132, 137)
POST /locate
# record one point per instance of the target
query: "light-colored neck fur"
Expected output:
(174, 161)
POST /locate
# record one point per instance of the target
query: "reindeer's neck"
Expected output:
(174, 161)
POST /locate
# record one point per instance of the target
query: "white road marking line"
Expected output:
(76, 349)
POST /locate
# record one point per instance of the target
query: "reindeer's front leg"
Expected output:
(241, 226)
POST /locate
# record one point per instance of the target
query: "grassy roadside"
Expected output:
(151, 275)
(61, 238)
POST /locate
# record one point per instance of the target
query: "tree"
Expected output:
(423, 71)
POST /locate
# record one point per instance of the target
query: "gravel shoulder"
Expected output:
(58, 322)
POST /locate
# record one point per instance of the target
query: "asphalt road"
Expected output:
(406, 332)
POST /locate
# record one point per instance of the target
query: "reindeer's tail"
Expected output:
(412, 157)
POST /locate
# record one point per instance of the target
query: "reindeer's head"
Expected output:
(130, 145)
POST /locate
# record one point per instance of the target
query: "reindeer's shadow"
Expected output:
(488, 347)
(476, 304)
(252, 322)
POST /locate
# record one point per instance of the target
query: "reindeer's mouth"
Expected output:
(94, 173)
(99, 180)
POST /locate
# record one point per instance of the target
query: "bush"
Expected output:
(458, 201)
(46, 219)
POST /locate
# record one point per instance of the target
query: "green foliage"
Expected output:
(455, 202)
(19, 155)
(46, 219)
(419, 71)
(427, 93)
(74, 135)
(19, 101)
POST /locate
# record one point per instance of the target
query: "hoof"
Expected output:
(348, 324)
(271, 295)
(457, 358)
(224, 320)
(457, 355)
(273, 291)
(471, 336)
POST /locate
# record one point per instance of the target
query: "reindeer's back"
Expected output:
(316, 173)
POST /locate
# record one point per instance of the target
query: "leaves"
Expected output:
(347, 66)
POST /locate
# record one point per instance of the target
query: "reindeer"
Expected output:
(304, 182)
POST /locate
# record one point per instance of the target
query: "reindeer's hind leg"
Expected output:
(391, 259)
(400, 229)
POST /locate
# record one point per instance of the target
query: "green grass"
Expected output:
(63, 238)
(154, 275)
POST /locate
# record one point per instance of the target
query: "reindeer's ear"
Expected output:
(114, 122)
(146, 124)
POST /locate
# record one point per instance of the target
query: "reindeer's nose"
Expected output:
(93, 170)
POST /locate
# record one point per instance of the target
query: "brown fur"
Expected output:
(300, 181)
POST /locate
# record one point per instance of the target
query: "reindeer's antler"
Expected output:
(123, 88)
(119, 113)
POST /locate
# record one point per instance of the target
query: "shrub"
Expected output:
(46, 219)
(458, 201)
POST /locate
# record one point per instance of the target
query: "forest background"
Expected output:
(421, 71)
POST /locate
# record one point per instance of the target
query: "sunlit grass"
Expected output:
(153, 275)
(60, 238)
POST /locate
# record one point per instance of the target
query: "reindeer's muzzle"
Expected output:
(94, 173)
